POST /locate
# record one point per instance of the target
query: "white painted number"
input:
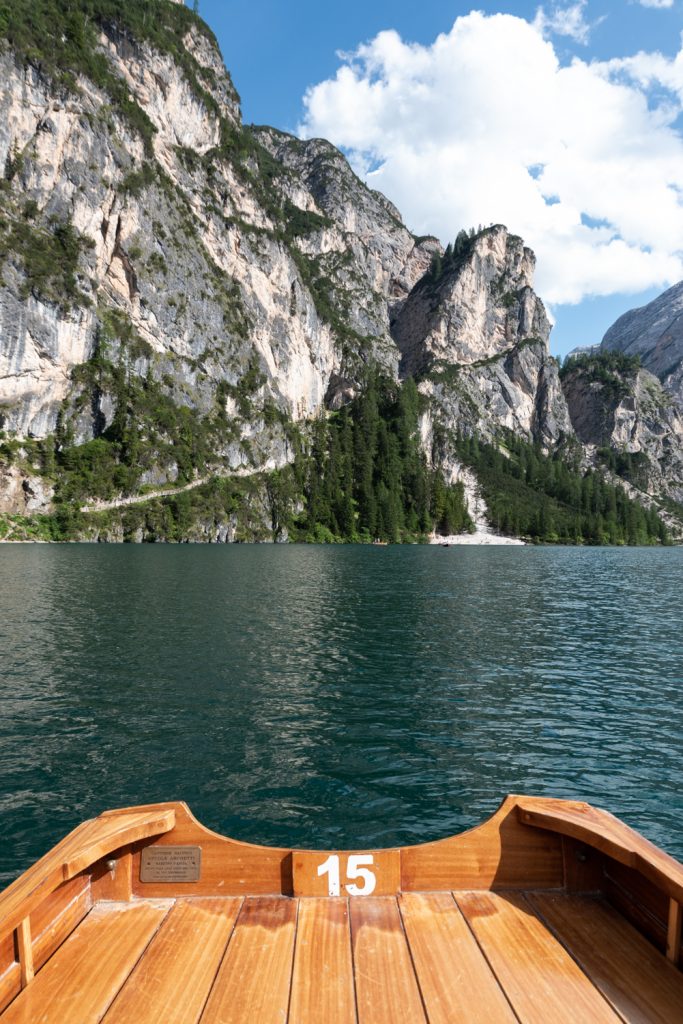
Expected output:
(356, 868)
(331, 868)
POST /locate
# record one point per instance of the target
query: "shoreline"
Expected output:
(479, 537)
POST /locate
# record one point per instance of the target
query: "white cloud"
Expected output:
(486, 126)
(564, 21)
(659, 4)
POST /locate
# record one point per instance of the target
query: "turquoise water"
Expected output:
(336, 696)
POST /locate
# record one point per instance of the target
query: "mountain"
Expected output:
(625, 398)
(655, 334)
(629, 419)
(213, 331)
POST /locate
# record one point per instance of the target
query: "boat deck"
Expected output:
(432, 957)
(551, 912)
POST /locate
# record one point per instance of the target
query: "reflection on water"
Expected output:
(336, 696)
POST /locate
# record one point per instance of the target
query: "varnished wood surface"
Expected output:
(491, 925)
(254, 980)
(386, 870)
(606, 833)
(173, 980)
(639, 983)
(456, 980)
(440, 958)
(540, 978)
(78, 851)
(322, 982)
(79, 982)
(386, 985)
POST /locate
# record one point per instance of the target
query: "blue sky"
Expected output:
(605, 228)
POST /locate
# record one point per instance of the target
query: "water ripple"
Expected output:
(336, 696)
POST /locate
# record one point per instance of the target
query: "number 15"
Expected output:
(355, 868)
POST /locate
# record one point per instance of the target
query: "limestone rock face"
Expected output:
(480, 308)
(23, 493)
(478, 336)
(655, 333)
(195, 245)
(635, 416)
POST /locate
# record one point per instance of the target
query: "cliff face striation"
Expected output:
(476, 332)
(183, 297)
(655, 334)
(624, 414)
(625, 397)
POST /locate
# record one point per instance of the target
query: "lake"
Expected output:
(336, 696)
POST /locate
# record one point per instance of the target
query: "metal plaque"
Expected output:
(171, 864)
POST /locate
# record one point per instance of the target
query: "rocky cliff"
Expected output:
(625, 397)
(477, 334)
(655, 334)
(181, 296)
(625, 416)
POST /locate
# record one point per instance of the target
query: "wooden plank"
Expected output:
(110, 832)
(500, 854)
(456, 982)
(673, 932)
(540, 979)
(229, 868)
(8, 957)
(10, 972)
(322, 982)
(54, 905)
(114, 884)
(80, 981)
(637, 980)
(640, 890)
(59, 927)
(606, 833)
(647, 917)
(386, 987)
(82, 848)
(346, 873)
(254, 979)
(10, 985)
(584, 867)
(172, 981)
(25, 951)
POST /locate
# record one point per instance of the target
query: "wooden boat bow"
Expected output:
(414, 933)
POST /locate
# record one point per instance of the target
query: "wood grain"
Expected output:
(638, 900)
(500, 854)
(456, 982)
(54, 905)
(78, 851)
(229, 868)
(10, 985)
(59, 927)
(116, 885)
(322, 982)
(386, 987)
(541, 980)
(172, 981)
(25, 951)
(79, 982)
(254, 979)
(636, 979)
(604, 832)
(673, 932)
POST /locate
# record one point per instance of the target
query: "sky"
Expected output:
(563, 121)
